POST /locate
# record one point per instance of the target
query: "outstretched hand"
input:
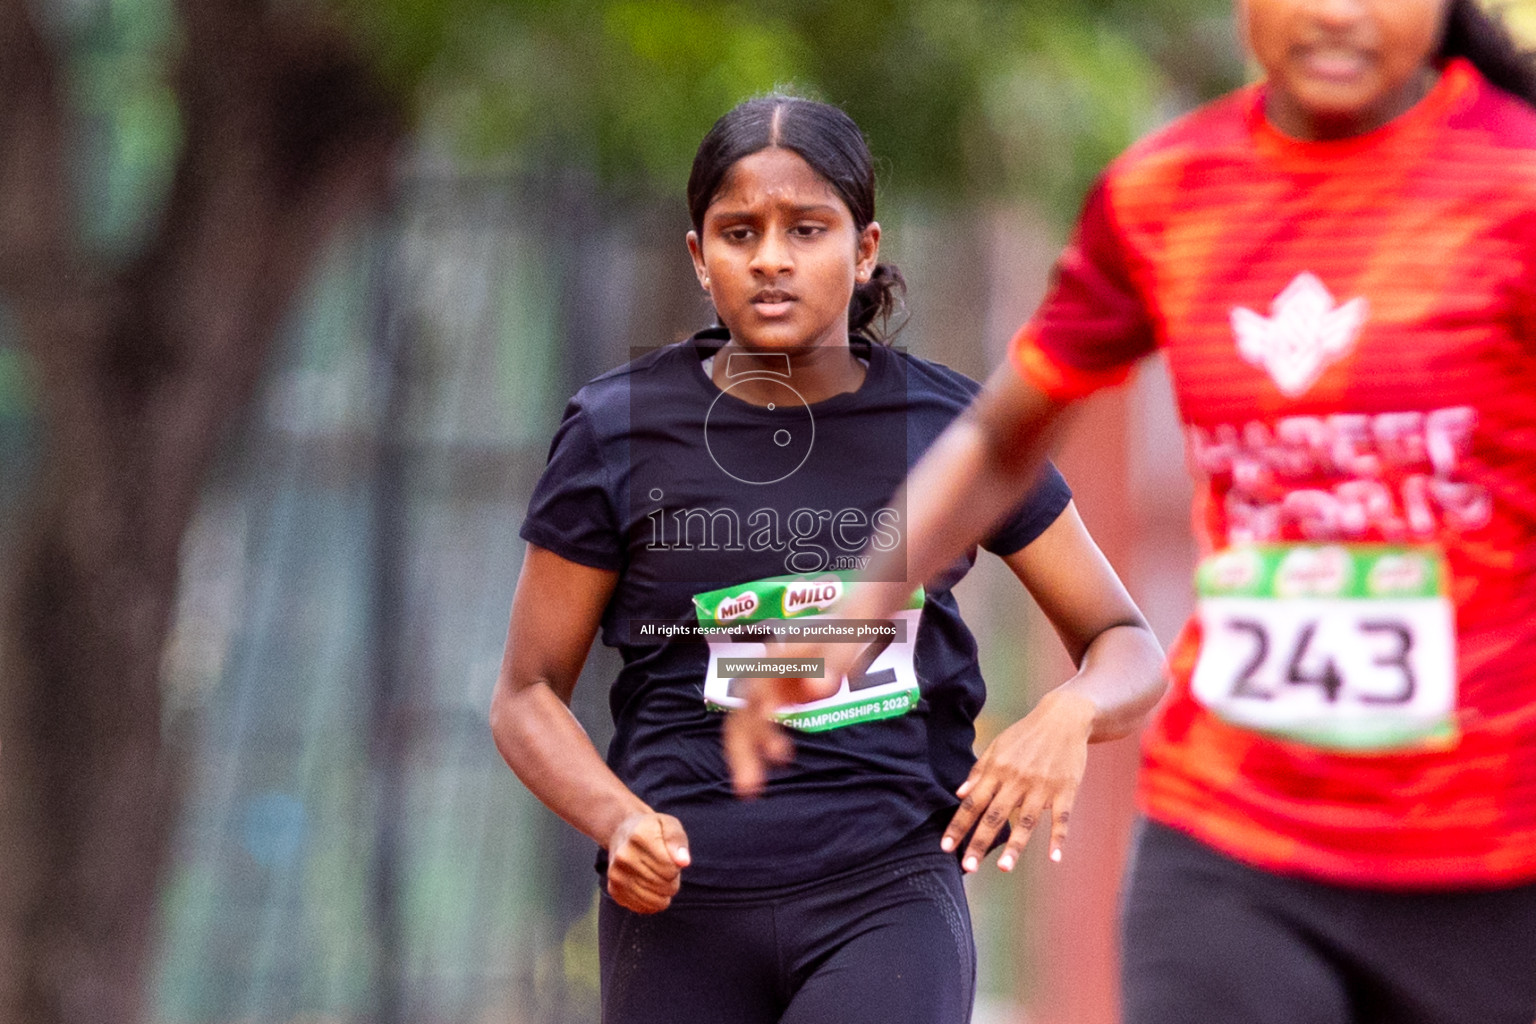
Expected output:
(646, 858)
(1032, 768)
(753, 739)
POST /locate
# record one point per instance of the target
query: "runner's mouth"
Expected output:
(772, 302)
(1335, 63)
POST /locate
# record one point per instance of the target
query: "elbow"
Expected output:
(1155, 672)
(503, 722)
(1151, 657)
(497, 715)
(520, 716)
(1156, 689)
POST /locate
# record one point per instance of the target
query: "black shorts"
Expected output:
(887, 943)
(1209, 939)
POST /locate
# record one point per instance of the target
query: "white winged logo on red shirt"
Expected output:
(1303, 335)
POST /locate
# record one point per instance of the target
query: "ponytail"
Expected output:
(1482, 39)
(877, 299)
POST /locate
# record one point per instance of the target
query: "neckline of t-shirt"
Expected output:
(1456, 79)
(711, 340)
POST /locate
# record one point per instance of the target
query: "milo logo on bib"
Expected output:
(813, 597)
(739, 621)
(735, 607)
(1348, 647)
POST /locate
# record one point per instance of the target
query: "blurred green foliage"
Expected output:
(958, 97)
(119, 56)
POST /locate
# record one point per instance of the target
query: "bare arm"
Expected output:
(975, 473)
(1120, 663)
(555, 613)
(1036, 765)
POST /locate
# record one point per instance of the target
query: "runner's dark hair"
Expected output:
(1481, 37)
(828, 140)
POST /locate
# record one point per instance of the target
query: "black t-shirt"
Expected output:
(682, 488)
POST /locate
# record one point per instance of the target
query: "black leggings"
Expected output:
(1209, 939)
(889, 943)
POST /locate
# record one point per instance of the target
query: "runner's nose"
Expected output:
(772, 256)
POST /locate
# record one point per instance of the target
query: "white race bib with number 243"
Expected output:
(1345, 647)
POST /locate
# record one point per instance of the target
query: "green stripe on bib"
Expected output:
(778, 597)
(1323, 570)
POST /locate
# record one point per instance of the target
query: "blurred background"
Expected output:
(291, 296)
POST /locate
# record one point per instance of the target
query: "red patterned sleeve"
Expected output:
(1525, 283)
(1093, 323)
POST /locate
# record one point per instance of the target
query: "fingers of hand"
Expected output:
(658, 843)
(630, 877)
(747, 771)
(675, 840)
(992, 795)
(975, 794)
(992, 820)
(752, 742)
(1023, 826)
(653, 868)
(763, 703)
(638, 895)
(645, 870)
(1061, 810)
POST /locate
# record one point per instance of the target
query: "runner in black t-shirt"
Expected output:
(714, 492)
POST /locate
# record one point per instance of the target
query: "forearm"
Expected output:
(1122, 675)
(548, 750)
(973, 475)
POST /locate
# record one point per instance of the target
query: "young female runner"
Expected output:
(1340, 266)
(717, 482)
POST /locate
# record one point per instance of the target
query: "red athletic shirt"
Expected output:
(1351, 331)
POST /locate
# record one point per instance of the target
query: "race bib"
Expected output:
(1344, 647)
(737, 623)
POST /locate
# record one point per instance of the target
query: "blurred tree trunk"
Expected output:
(141, 365)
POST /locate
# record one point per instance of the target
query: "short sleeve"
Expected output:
(1046, 501)
(573, 508)
(1093, 323)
